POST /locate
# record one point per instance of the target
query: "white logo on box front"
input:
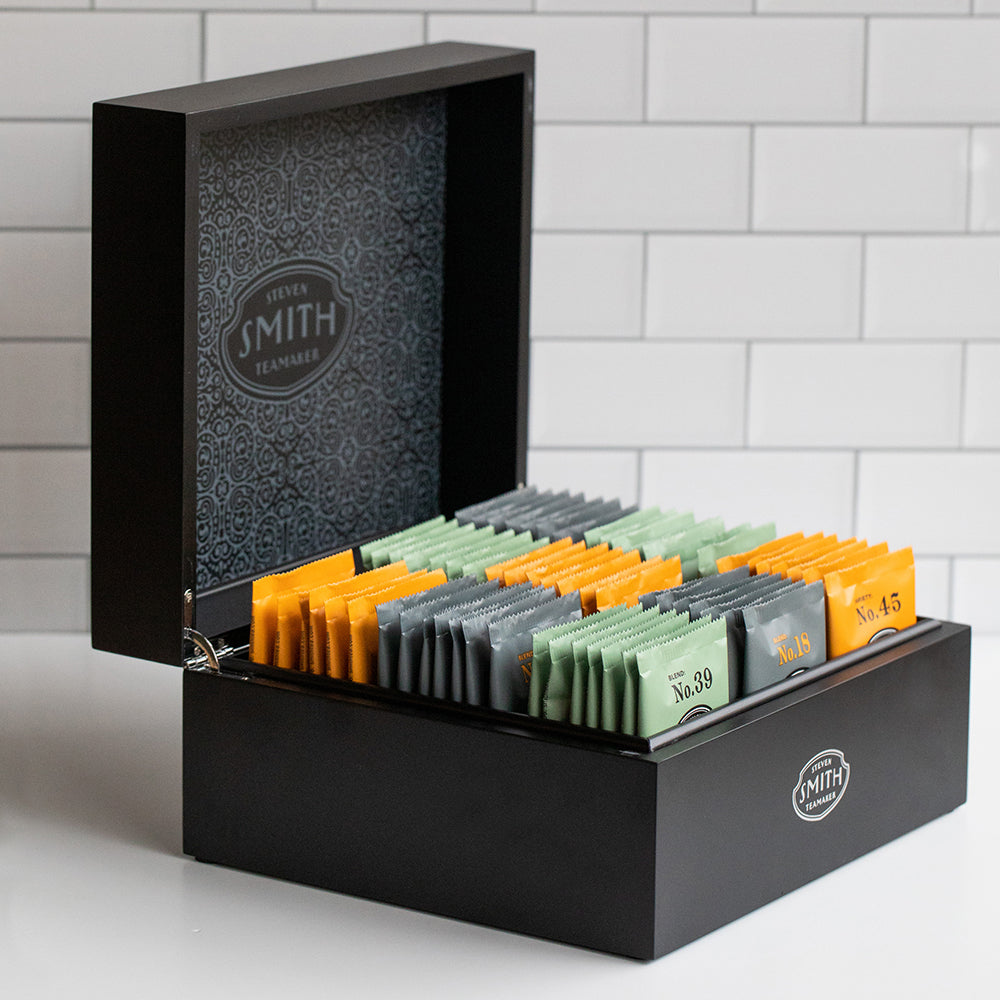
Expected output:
(821, 785)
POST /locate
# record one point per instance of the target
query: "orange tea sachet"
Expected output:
(266, 590)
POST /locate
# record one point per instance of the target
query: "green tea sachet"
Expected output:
(612, 674)
(682, 678)
(559, 685)
(369, 549)
(581, 661)
(586, 695)
(737, 541)
(603, 532)
(541, 658)
(686, 544)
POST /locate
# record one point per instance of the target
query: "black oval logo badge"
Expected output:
(290, 324)
(821, 786)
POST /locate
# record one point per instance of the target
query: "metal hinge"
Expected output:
(206, 655)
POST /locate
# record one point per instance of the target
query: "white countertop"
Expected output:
(97, 900)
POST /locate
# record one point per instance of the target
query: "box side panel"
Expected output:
(485, 353)
(488, 826)
(759, 811)
(138, 380)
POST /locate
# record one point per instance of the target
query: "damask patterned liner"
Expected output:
(320, 266)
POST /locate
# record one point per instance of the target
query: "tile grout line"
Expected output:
(645, 69)
(862, 287)
(45, 555)
(202, 44)
(963, 386)
(25, 447)
(747, 361)
(644, 289)
(864, 70)
(896, 451)
(969, 152)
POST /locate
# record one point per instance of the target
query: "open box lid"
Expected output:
(309, 311)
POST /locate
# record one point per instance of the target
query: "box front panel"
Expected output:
(774, 802)
(473, 822)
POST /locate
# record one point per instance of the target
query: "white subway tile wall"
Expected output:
(766, 260)
(742, 68)
(981, 423)
(984, 208)
(933, 70)
(752, 287)
(860, 178)
(933, 287)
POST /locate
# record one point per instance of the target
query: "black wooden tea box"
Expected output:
(310, 302)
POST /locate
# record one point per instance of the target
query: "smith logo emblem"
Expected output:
(290, 324)
(822, 783)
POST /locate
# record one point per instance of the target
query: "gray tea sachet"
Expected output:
(525, 520)
(729, 605)
(438, 662)
(475, 510)
(577, 528)
(573, 523)
(721, 593)
(784, 636)
(389, 626)
(458, 665)
(664, 599)
(411, 627)
(511, 649)
(500, 516)
(477, 642)
(424, 653)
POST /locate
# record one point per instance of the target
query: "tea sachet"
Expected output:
(389, 631)
(870, 600)
(682, 678)
(264, 598)
(785, 635)
(511, 650)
